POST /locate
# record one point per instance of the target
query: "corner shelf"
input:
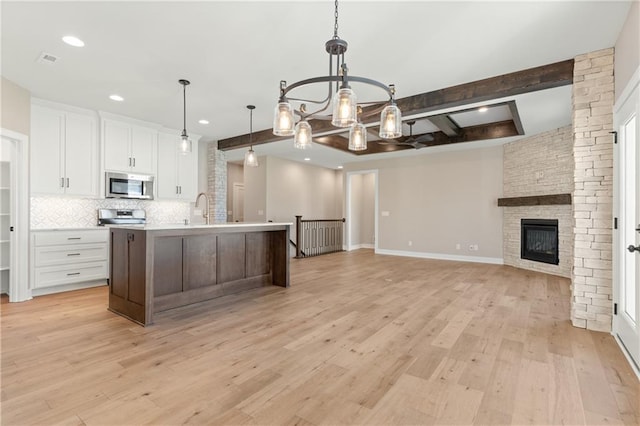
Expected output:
(535, 200)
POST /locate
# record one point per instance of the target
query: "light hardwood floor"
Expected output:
(358, 339)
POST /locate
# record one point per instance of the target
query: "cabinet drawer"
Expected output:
(68, 274)
(70, 254)
(70, 237)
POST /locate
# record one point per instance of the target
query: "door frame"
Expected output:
(618, 251)
(19, 289)
(350, 246)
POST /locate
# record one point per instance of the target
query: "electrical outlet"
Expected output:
(260, 212)
(458, 246)
(410, 243)
(470, 247)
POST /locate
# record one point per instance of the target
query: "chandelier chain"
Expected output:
(335, 26)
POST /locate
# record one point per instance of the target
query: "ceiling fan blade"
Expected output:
(424, 138)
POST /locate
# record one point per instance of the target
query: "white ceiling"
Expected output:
(236, 52)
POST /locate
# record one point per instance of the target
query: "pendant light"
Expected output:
(185, 142)
(358, 135)
(250, 158)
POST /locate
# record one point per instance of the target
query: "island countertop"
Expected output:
(183, 227)
(154, 268)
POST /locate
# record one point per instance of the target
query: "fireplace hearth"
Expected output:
(539, 240)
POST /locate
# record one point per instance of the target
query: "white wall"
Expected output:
(627, 50)
(439, 199)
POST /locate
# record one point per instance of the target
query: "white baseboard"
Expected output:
(66, 287)
(632, 363)
(442, 256)
(362, 246)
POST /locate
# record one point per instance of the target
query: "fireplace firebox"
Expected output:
(539, 240)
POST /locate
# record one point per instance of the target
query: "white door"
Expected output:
(167, 177)
(626, 322)
(238, 202)
(80, 158)
(47, 146)
(143, 149)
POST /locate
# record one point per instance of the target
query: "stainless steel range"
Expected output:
(121, 217)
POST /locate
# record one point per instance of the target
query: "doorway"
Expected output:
(238, 202)
(362, 209)
(626, 283)
(14, 215)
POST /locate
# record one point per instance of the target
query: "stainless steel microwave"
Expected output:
(125, 185)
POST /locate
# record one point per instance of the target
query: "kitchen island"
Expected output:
(154, 268)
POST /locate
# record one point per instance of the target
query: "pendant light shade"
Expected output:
(283, 121)
(250, 158)
(390, 122)
(345, 106)
(185, 145)
(358, 137)
(302, 138)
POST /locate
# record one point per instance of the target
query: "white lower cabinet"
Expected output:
(67, 257)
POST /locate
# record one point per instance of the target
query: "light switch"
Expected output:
(260, 212)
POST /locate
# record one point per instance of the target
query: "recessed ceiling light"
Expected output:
(73, 41)
(483, 109)
(203, 121)
(307, 159)
(116, 98)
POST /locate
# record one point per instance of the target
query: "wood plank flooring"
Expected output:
(359, 338)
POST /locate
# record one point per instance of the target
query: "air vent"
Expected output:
(47, 58)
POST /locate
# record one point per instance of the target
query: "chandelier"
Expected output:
(346, 112)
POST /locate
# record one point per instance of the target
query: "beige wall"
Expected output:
(299, 189)
(627, 49)
(235, 174)
(362, 202)
(438, 200)
(255, 192)
(15, 108)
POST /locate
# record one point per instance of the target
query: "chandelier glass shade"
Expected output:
(185, 145)
(340, 105)
(302, 137)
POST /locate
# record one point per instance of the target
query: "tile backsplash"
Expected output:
(63, 212)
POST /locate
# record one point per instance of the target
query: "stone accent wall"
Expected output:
(539, 165)
(217, 183)
(593, 96)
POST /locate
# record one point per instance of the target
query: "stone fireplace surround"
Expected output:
(539, 165)
(576, 159)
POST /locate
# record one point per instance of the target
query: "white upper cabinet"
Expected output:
(63, 152)
(177, 173)
(129, 148)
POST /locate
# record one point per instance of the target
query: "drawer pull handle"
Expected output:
(74, 238)
(73, 254)
(73, 273)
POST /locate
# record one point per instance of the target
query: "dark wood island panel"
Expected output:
(156, 269)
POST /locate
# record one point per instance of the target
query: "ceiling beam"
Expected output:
(445, 124)
(516, 83)
(341, 143)
(501, 129)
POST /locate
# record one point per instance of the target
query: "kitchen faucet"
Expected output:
(205, 213)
